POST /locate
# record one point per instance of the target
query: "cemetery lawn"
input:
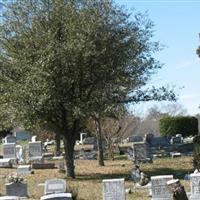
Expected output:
(90, 175)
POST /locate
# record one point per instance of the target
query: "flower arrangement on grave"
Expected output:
(15, 178)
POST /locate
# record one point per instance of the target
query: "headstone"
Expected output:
(175, 154)
(159, 187)
(176, 140)
(60, 196)
(5, 163)
(9, 151)
(89, 140)
(16, 189)
(135, 138)
(114, 189)
(9, 198)
(61, 166)
(43, 165)
(195, 186)
(35, 151)
(159, 141)
(141, 152)
(23, 169)
(53, 186)
(10, 139)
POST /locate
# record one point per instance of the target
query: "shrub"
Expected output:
(170, 126)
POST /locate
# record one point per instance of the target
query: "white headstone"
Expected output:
(114, 189)
(62, 196)
(9, 150)
(9, 198)
(195, 186)
(5, 163)
(23, 169)
(159, 187)
(53, 186)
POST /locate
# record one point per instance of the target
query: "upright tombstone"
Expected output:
(16, 189)
(159, 187)
(53, 186)
(114, 189)
(141, 152)
(23, 169)
(9, 151)
(10, 139)
(195, 186)
(35, 151)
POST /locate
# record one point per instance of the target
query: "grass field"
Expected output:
(89, 176)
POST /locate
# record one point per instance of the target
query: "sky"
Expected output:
(177, 28)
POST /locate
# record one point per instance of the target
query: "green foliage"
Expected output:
(170, 126)
(61, 61)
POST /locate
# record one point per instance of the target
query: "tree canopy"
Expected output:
(62, 60)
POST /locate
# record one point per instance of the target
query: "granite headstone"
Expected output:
(114, 189)
(159, 187)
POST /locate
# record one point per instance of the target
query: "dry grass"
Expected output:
(90, 175)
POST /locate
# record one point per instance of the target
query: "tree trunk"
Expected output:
(57, 147)
(69, 156)
(110, 149)
(99, 142)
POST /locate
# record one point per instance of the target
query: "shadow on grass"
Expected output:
(177, 173)
(98, 176)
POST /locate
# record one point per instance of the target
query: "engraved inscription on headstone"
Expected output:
(54, 186)
(159, 187)
(9, 151)
(195, 186)
(113, 189)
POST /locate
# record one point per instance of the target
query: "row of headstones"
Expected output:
(13, 152)
(113, 189)
(53, 189)
(160, 190)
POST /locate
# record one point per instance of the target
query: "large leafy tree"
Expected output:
(62, 61)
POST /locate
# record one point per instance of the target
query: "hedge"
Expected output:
(170, 126)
